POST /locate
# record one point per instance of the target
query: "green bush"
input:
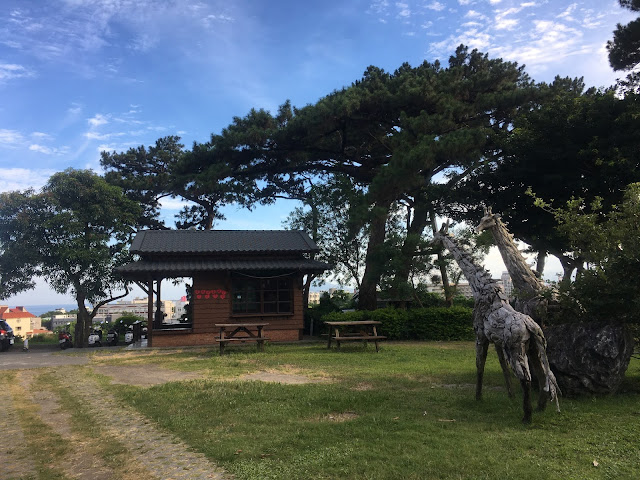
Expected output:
(433, 323)
(44, 338)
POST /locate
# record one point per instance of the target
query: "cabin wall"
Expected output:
(212, 304)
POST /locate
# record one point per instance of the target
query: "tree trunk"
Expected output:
(375, 260)
(442, 265)
(540, 263)
(568, 267)
(83, 324)
(410, 245)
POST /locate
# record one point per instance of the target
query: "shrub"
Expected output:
(433, 323)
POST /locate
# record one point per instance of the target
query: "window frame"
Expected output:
(263, 296)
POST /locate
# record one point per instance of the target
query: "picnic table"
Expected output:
(241, 332)
(364, 330)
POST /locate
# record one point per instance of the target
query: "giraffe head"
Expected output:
(443, 232)
(489, 220)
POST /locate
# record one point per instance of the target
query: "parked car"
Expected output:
(6, 336)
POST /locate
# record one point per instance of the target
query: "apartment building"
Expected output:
(20, 320)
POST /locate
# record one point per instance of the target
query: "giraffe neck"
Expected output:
(479, 279)
(521, 274)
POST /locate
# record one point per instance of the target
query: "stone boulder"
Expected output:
(588, 358)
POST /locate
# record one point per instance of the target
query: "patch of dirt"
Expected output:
(78, 462)
(20, 464)
(362, 387)
(340, 417)
(281, 377)
(143, 375)
(462, 385)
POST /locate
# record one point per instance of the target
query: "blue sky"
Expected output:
(81, 76)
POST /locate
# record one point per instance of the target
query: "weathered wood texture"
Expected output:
(519, 340)
(215, 307)
(533, 296)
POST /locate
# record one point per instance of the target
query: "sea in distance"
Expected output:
(38, 310)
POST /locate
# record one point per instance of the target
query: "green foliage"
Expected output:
(574, 143)
(74, 233)
(326, 306)
(624, 49)
(608, 287)
(433, 323)
(123, 322)
(330, 217)
(44, 339)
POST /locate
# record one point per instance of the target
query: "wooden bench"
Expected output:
(247, 328)
(367, 331)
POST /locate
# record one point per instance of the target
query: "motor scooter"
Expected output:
(95, 338)
(112, 337)
(64, 339)
(128, 336)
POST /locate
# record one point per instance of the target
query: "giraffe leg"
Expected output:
(482, 347)
(541, 376)
(505, 370)
(526, 400)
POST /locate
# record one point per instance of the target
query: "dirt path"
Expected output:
(142, 450)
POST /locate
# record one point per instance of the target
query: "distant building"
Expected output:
(138, 307)
(62, 319)
(314, 298)
(20, 320)
(463, 289)
(505, 279)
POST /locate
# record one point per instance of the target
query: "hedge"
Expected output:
(433, 323)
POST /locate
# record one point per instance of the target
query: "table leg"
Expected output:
(222, 341)
(375, 333)
(337, 341)
(260, 342)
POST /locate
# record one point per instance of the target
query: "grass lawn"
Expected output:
(407, 412)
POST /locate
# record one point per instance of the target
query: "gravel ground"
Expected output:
(152, 453)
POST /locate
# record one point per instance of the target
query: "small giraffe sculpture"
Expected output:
(518, 339)
(531, 299)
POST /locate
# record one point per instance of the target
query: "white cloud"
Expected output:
(41, 136)
(48, 150)
(475, 14)
(102, 136)
(506, 24)
(39, 148)
(143, 42)
(567, 13)
(10, 138)
(464, 2)
(22, 178)
(98, 120)
(74, 109)
(494, 2)
(437, 6)
(403, 9)
(9, 71)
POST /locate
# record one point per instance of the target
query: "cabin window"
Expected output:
(262, 295)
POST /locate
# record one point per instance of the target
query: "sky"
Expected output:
(81, 76)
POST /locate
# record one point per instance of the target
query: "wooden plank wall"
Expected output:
(212, 304)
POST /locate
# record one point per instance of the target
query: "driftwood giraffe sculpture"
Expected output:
(531, 298)
(518, 339)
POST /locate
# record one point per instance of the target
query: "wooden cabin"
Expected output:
(238, 276)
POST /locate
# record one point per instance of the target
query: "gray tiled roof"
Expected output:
(149, 242)
(190, 266)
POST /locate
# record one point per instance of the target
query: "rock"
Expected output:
(588, 358)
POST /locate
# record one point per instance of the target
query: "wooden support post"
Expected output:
(150, 314)
(158, 315)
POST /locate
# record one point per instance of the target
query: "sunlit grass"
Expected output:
(406, 412)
